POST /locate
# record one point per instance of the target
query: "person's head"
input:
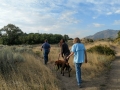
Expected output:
(76, 40)
(62, 40)
(46, 40)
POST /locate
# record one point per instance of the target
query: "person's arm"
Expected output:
(41, 47)
(85, 56)
(62, 50)
(70, 55)
(49, 47)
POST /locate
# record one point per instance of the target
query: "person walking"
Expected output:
(80, 56)
(46, 49)
(64, 51)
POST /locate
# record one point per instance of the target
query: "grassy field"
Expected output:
(22, 68)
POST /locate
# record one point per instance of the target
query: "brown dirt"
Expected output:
(111, 81)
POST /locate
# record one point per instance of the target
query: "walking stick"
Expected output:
(58, 56)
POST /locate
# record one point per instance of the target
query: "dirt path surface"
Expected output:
(109, 82)
(69, 83)
(113, 82)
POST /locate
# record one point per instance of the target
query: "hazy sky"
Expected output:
(76, 18)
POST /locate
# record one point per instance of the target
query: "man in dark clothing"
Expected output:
(46, 49)
(64, 51)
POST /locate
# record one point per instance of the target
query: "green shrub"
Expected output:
(9, 58)
(117, 41)
(102, 50)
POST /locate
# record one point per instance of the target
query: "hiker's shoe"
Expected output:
(80, 86)
(70, 69)
(66, 69)
(81, 81)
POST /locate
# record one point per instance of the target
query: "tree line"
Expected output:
(118, 34)
(13, 35)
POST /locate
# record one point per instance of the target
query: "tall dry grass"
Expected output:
(22, 68)
(97, 64)
(26, 72)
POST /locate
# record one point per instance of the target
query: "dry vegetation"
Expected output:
(21, 69)
(26, 74)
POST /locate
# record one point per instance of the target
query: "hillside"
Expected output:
(109, 33)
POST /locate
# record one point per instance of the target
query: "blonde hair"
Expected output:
(76, 40)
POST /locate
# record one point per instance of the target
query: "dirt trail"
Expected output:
(109, 82)
(69, 83)
(113, 82)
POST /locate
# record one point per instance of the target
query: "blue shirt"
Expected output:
(78, 49)
(46, 46)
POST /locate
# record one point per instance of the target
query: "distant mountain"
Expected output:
(109, 33)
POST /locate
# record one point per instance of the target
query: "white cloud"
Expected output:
(76, 34)
(98, 25)
(55, 15)
(94, 17)
(68, 17)
(103, 7)
(109, 13)
(34, 13)
(117, 11)
(116, 22)
(81, 33)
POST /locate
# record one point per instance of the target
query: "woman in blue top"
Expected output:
(46, 49)
(80, 56)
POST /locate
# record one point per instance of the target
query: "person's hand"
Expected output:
(85, 60)
(67, 57)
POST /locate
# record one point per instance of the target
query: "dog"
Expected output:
(63, 66)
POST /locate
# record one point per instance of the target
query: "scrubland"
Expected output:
(22, 68)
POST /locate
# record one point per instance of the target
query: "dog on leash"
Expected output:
(63, 66)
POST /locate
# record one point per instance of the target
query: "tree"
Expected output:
(12, 34)
(66, 37)
(119, 34)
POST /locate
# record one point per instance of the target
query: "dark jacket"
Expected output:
(64, 49)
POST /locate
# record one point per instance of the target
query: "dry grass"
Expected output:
(89, 45)
(32, 74)
(97, 64)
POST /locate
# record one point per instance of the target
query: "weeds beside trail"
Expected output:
(22, 68)
(93, 73)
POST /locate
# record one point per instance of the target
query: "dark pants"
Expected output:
(45, 53)
(65, 57)
(66, 60)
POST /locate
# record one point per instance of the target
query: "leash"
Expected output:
(58, 56)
